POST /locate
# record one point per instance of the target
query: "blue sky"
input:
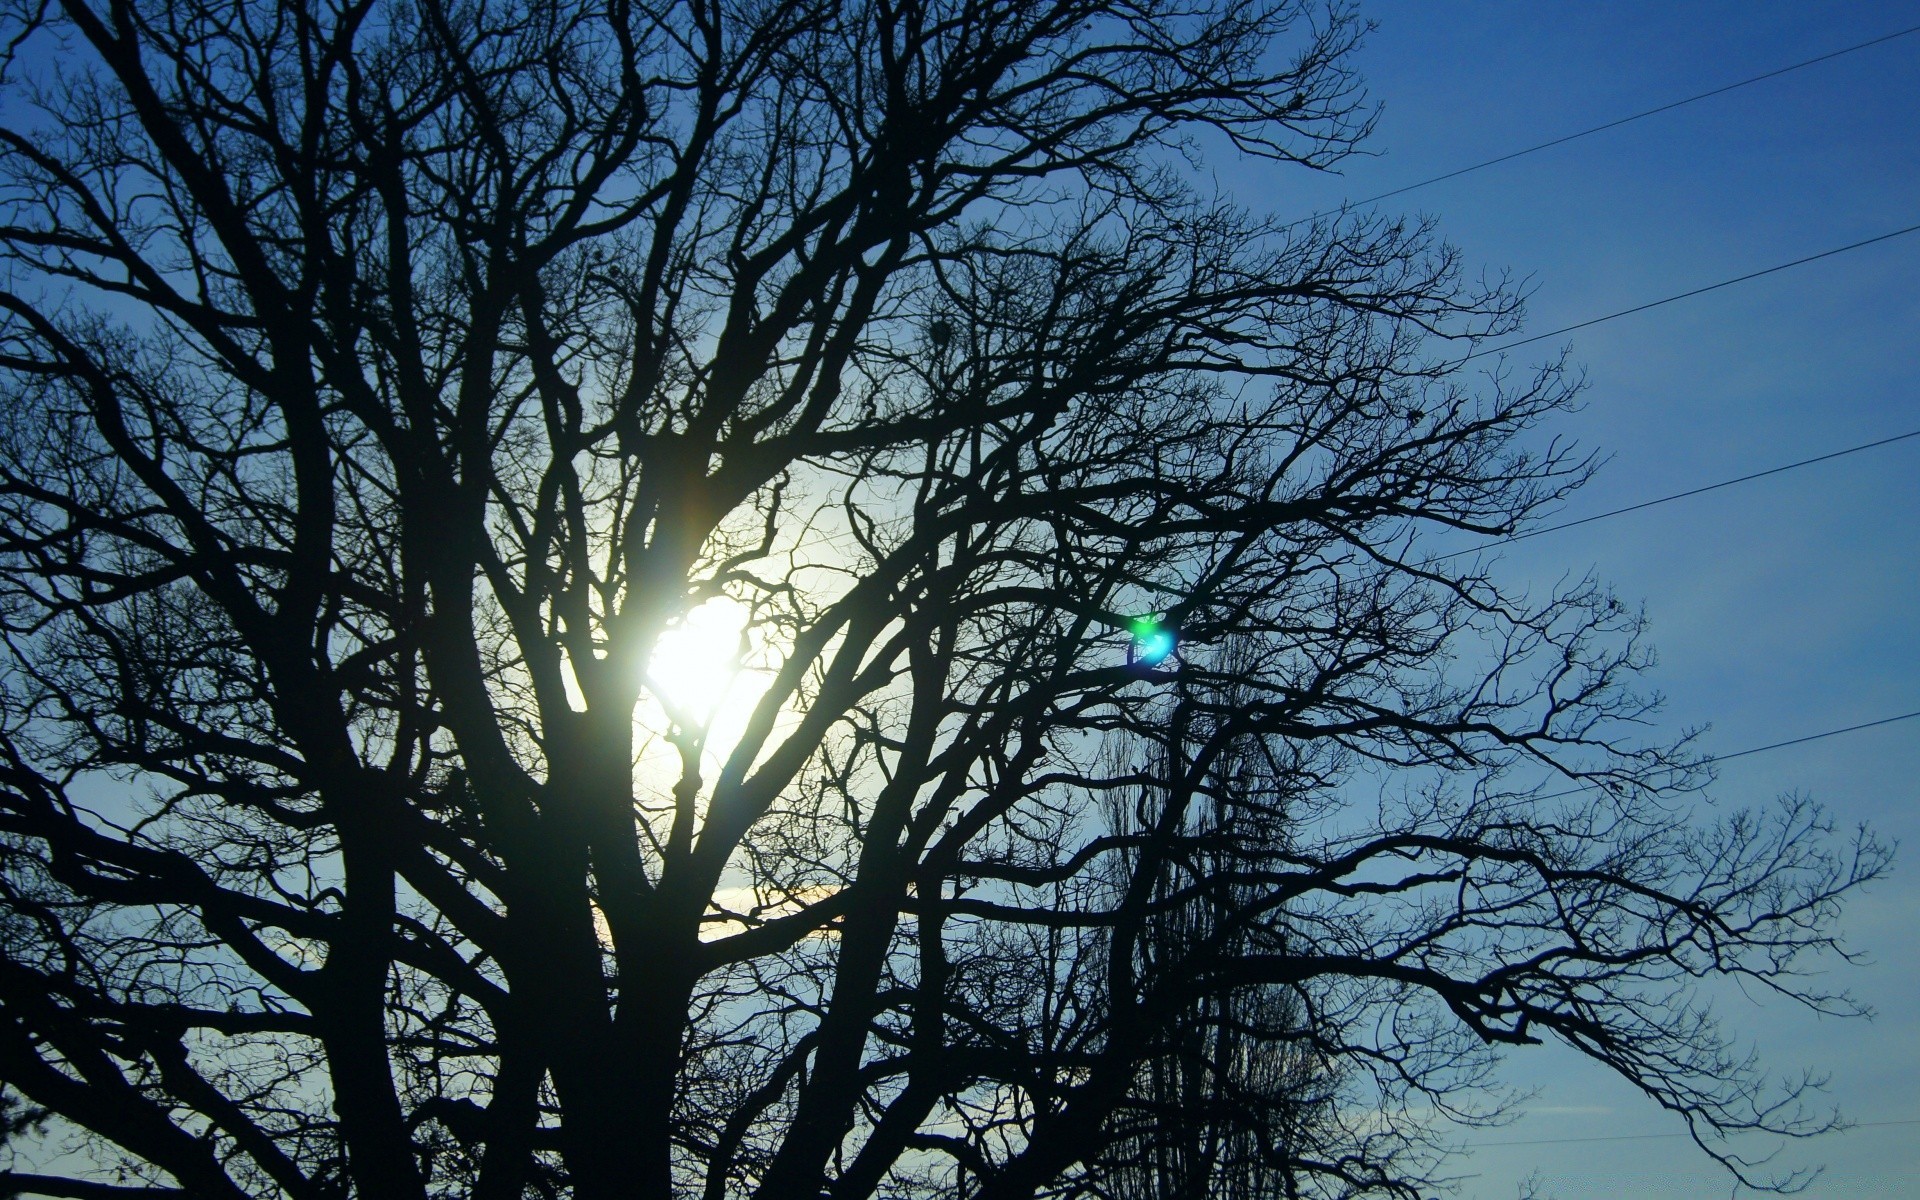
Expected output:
(1780, 607)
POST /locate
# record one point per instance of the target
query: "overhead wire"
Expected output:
(1658, 500)
(1614, 124)
(1779, 745)
(1814, 737)
(837, 538)
(1699, 291)
(1588, 132)
(846, 535)
(842, 536)
(1751, 275)
(1695, 491)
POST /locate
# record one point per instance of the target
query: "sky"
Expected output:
(1782, 607)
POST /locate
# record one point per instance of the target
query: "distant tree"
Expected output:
(1238, 1096)
(395, 388)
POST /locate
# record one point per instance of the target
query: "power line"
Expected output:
(1795, 741)
(1615, 124)
(1637, 1137)
(1712, 287)
(1813, 737)
(1667, 499)
(844, 535)
(1711, 487)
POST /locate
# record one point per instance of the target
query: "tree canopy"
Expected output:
(777, 598)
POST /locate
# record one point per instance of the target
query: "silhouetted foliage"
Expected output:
(385, 379)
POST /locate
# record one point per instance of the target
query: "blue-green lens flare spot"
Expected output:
(1152, 641)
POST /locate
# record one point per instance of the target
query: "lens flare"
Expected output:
(1153, 642)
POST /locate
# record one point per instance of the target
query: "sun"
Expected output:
(696, 664)
(709, 672)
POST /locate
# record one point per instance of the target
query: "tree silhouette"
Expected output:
(389, 384)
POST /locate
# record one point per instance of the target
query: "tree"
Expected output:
(391, 386)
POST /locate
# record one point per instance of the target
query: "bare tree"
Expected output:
(391, 387)
(1239, 1096)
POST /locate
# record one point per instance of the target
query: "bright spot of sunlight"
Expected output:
(710, 671)
(696, 662)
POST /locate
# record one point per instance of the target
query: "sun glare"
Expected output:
(708, 674)
(697, 662)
